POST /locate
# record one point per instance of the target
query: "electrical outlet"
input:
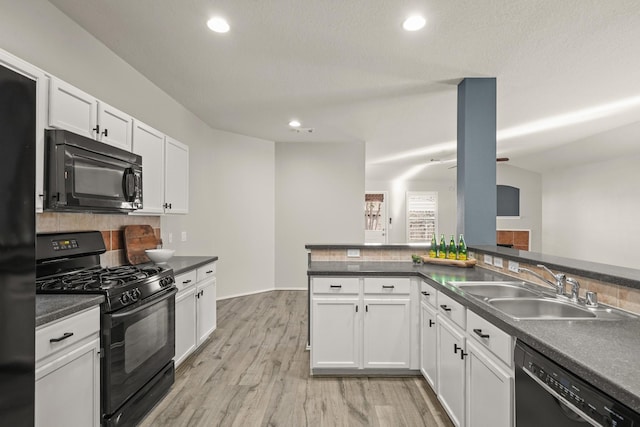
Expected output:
(497, 262)
(513, 266)
(488, 259)
(170, 237)
(184, 236)
(353, 253)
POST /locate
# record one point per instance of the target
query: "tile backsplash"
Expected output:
(110, 226)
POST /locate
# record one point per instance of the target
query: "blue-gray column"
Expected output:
(477, 160)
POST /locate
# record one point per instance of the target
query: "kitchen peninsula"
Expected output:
(600, 352)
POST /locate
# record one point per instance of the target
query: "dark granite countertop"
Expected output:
(602, 352)
(180, 264)
(368, 246)
(624, 276)
(51, 307)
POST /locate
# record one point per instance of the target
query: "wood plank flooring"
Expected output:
(254, 371)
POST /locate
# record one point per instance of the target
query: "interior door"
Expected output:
(375, 217)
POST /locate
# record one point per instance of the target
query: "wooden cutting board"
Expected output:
(444, 261)
(138, 238)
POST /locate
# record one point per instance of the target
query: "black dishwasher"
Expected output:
(549, 395)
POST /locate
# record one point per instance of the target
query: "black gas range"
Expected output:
(122, 286)
(137, 320)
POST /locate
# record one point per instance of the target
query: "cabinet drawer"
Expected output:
(387, 285)
(429, 294)
(452, 309)
(336, 285)
(490, 336)
(185, 280)
(66, 332)
(206, 271)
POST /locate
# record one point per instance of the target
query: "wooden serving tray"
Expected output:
(444, 261)
(137, 238)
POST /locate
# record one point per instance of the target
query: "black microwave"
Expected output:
(85, 175)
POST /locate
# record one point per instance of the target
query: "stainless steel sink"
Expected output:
(522, 301)
(540, 308)
(498, 290)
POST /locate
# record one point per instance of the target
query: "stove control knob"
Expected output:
(135, 294)
(125, 298)
(170, 280)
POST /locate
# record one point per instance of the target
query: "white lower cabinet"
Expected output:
(67, 388)
(195, 309)
(361, 323)
(185, 324)
(428, 344)
(335, 332)
(206, 309)
(489, 389)
(451, 370)
(387, 333)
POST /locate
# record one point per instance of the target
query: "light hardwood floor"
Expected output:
(254, 371)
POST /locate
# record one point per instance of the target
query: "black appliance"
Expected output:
(137, 319)
(89, 176)
(17, 248)
(549, 395)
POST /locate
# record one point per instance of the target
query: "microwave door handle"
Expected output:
(129, 184)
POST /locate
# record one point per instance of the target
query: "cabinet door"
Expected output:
(72, 109)
(206, 309)
(68, 389)
(428, 344)
(335, 340)
(387, 333)
(116, 127)
(489, 390)
(185, 324)
(149, 143)
(176, 177)
(451, 370)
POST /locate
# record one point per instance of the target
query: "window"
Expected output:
(422, 216)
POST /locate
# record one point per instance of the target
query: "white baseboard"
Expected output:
(261, 291)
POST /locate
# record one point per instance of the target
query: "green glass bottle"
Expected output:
(452, 251)
(433, 249)
(442, 249)
(462, 249)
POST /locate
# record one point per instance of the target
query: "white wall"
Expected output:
(530, 185)
(224, 168)
(447, 204)
(590, 212)
(319, 199)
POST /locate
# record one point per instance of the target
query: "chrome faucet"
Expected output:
(560, 278)
(575, 288)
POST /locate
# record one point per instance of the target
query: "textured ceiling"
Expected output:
(348, 70)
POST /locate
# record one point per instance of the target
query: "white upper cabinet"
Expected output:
(72, 109)
(165, 171)
(176, 177)
(149, 143)
(115, 126)
(19, 66)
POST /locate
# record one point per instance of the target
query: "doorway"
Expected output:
(375, 217)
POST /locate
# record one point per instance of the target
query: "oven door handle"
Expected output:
(138, 309)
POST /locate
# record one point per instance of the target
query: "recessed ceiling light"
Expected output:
(414, 23)
(294, 124)
(217, 24)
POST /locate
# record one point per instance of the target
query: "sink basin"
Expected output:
(498, 290)
(540, 308)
